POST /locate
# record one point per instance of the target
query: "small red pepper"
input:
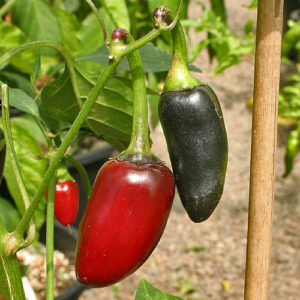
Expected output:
(66, 202)
(66, 197)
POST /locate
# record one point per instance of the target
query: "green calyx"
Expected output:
(139, 147)
(179, 77)
(62, 173)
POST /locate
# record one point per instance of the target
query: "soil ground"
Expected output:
(217, 271)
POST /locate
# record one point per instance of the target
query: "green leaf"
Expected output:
(289, 105)
(146, 291)
(30, 124)
(90, 35)
(253, 4)
(23, 102)
(36, 70)
(153, 99)
(9, 215)
(69, 30)
(32, 170)
(117, 10)
(218, 7)
(290, 38)
(154, 59)
(69, 5)
(36, 19)
(292, 148)
(109, 118)
(249, 27)
(12, 36)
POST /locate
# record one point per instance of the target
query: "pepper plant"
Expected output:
(87, 107)
(70, 80)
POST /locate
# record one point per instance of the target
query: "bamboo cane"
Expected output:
(264, 131)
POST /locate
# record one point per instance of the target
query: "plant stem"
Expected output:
(179, 76)
(83, 174)
(139, 147)
(10, 278)
(6, 7)
(12, 157)
(50, 240)
(151, 35)
(11, 153)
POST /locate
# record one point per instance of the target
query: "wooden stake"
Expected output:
(264, 132)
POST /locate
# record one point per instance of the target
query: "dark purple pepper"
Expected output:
(194, 128)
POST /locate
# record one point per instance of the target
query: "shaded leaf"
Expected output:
(36, 69)
(9, 215)
(109, 118)
(218, 6)
(153, 99)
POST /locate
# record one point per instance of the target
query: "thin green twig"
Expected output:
(12, 158)
(96, 12)
(50, 240)
(83, 174)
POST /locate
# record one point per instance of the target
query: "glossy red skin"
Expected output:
(66, 202)
(124, 220)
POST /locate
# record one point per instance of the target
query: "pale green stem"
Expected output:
(50, 240)
(83, 174)
(12, 158)
(10, 278)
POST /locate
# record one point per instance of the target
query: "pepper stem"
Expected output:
(139, 149)
(179, 76)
